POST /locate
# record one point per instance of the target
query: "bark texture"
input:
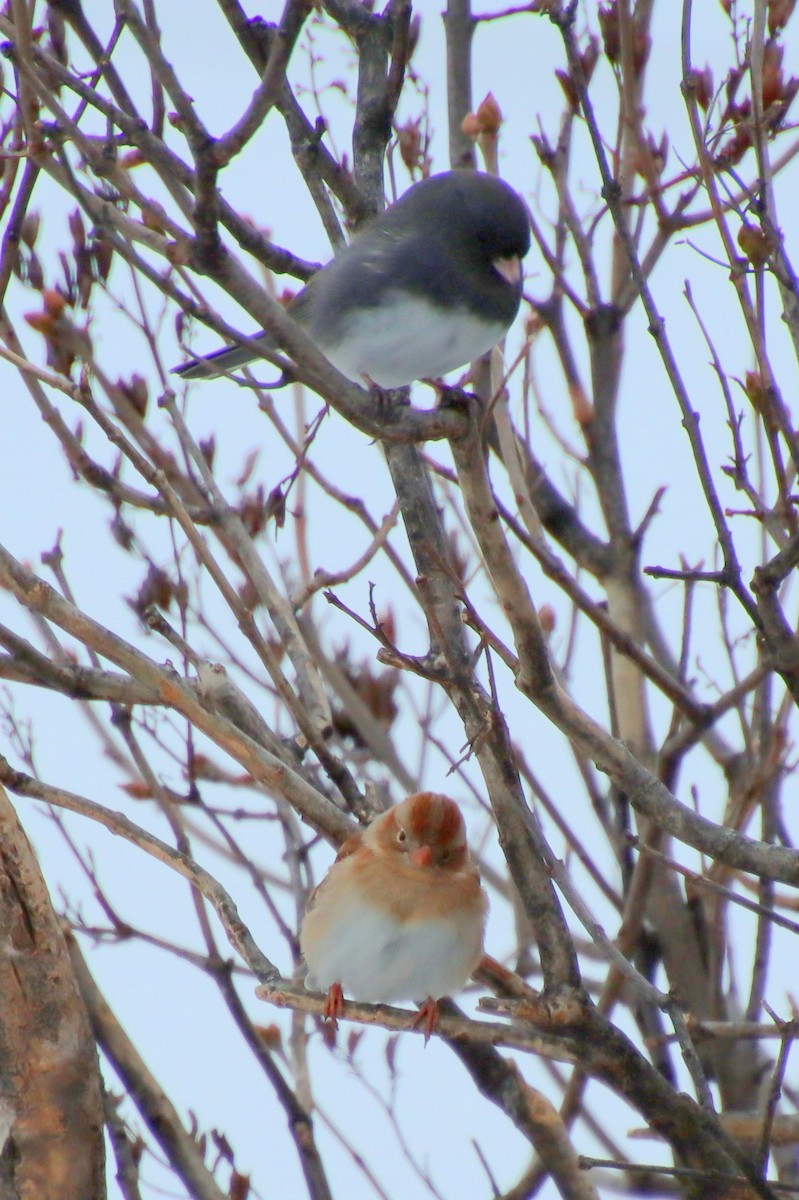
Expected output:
(51, 1119)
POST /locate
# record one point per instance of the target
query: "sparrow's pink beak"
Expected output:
(510, 269)
(422, 856)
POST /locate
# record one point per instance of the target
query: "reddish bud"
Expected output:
(569, 90)
(135, 392)
(409, 141)
(754, 243)
(270, 1035)
(756, 390)
(489, 114)
(589, 57)
(772, 73)
(54, 302)
(136, 791)
(42, 322)
(547, 618)
(29, 230)
(703, 87)
(608, 17)
(779, 14)
(471, 126)
(487, 121)
(178, 253)
(254, 512)
(102, 253)
(239, 1186)
(76, 227)
(153, 218)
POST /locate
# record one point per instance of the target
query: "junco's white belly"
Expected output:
(407, 339)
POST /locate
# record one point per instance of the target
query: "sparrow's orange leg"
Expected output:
(427, 1018)
(334, 1005)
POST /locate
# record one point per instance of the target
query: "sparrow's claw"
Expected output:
(334, 1005)
(427, 1018)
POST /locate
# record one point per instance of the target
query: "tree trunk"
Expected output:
(51, 1118)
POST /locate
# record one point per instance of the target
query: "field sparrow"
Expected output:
(400, 914)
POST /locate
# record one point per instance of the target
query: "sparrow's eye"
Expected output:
(445, 856)
(401, 836)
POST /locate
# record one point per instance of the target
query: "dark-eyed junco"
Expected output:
(430, 284)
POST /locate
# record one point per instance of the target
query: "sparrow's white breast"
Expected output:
(378, 958)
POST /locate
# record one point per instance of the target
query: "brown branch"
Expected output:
(238, 934)
(183, 1151)
(285, 993)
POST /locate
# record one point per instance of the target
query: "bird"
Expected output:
(431, 283)
(401, 913)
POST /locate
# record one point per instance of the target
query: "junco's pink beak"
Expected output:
(510, 269)
(422, 856)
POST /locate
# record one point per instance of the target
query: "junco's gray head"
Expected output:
(430, 284)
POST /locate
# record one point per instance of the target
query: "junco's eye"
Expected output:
(401, 836)
(445, 856)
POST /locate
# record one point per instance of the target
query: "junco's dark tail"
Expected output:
(229, 358)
